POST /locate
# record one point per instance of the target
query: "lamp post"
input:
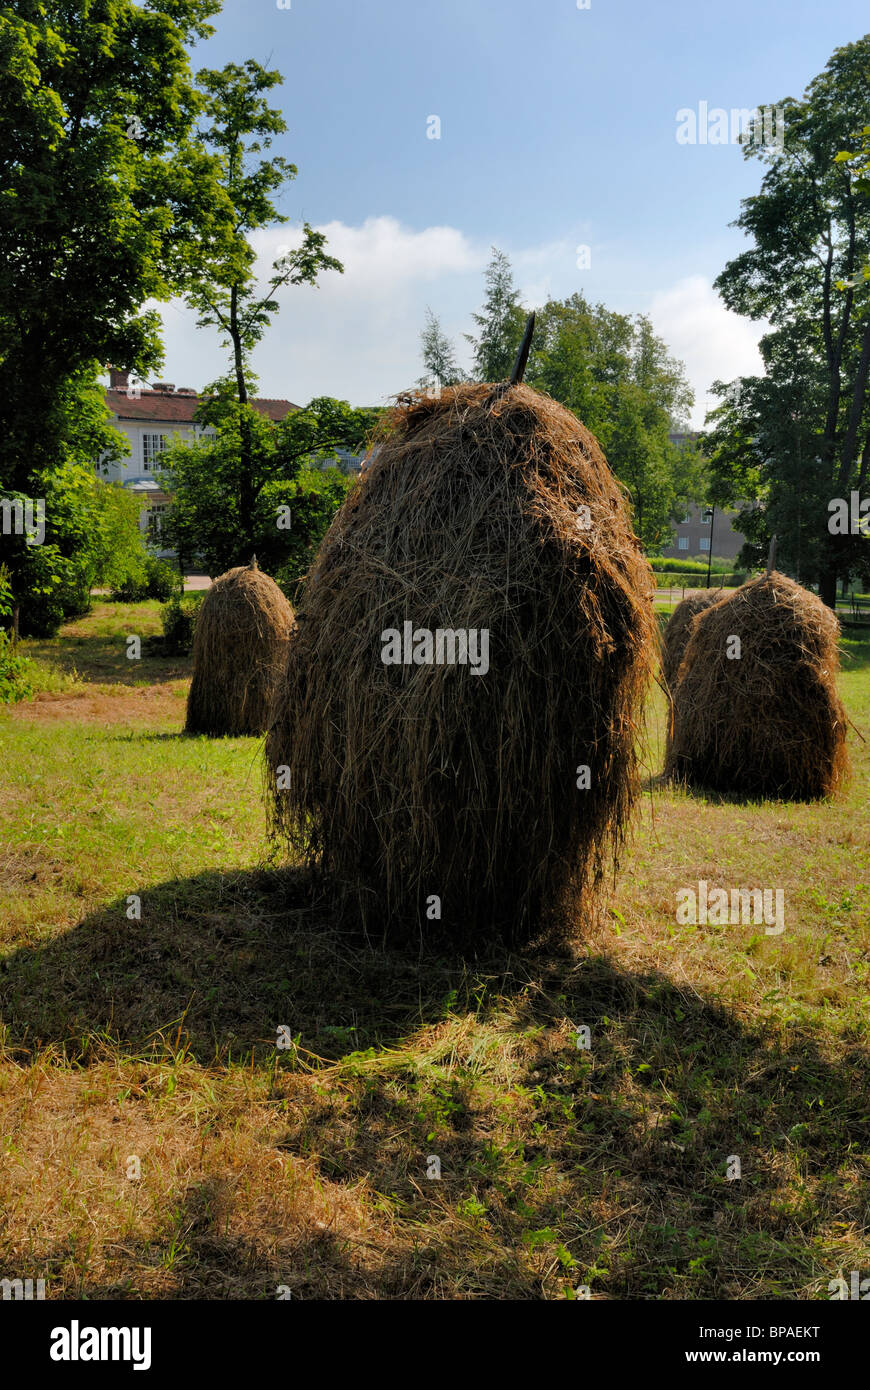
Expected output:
(710, 556)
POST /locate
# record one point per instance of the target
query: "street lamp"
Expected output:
(710, 556)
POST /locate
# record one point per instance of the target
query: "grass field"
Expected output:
(157, 1143)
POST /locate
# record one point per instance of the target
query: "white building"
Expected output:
(149, 420)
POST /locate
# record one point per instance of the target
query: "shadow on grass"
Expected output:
(616, 1156)
(104, 661)
(194, 1256)
(229, 957)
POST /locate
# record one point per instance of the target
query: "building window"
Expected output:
(152, 445)
(687, 519)
(707, 516)
(155, 519)
(682, 543)
(705, 542)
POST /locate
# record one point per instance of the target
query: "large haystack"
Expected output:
(443, 799)
(768, 722)
(239, 651)
(677, 631)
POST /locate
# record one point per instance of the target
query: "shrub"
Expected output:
(16, 672)
(178, 620)
(157, 579)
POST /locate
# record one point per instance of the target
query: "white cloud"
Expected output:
(382, 254)
(713, 342)
(357, 335)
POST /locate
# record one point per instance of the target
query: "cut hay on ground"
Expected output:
(677, 631)
(769, 723)
(421, 789)
(239, 651)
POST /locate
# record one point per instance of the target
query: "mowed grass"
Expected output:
(157, 1143)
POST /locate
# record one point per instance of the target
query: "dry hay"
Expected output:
(769, 723)
(414, 782)
(677, 631)
(239, 649)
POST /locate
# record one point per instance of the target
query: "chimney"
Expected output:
(118, 380)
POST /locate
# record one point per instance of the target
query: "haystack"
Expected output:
(239, 649)
(766, 722)
(677, 631)
(441, 796)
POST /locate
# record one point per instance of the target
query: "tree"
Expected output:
(638, 451)
(221, 284)
(101, 185)
(438, 354)
(205, 478)
(91, 528)
(810, 225)
(500, 322)
(619, 379)
(762, 442)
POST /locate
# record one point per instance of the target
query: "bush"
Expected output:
(178, 619)
(669, 563)
(43, 611)
(157, 579)
(697, 579)
(15, 672)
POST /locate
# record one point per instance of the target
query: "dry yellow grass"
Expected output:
(307, 1166)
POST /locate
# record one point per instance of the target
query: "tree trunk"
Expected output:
(828, 586)
(247, 495)
(859, 392)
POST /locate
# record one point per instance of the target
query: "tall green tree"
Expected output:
(500, 322)
(762, 442)
(91, 528)
(438, 353)
(238, 125)
(618, 378)
(205, 478)
(807, 427)
(102, 186)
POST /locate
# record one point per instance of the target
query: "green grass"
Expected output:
(155, 1037)
(93, 651)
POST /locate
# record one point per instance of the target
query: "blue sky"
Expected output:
(557, 130)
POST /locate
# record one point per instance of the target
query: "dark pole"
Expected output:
(771, 555)
(516, 375)
(710, 556)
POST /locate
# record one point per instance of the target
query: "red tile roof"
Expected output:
(169, 405)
